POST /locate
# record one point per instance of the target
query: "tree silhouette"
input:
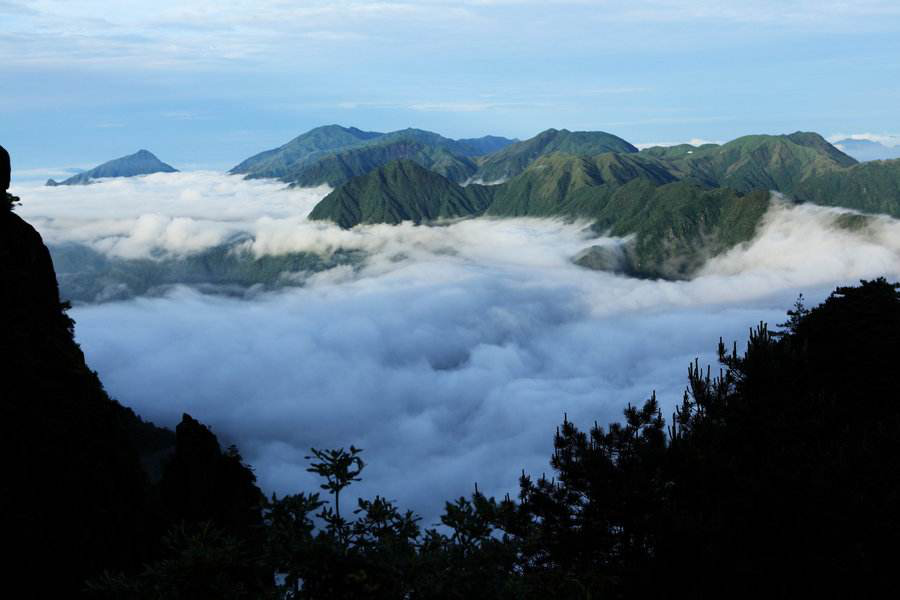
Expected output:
(776, 476)
(340, 468)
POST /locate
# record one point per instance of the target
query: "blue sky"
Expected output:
(205, 84)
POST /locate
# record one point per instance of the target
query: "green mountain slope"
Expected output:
(773, 162)
(86, 275)
(678, 226)
(142, 162)
(485, 144)
(804, 166)
(675, 225)
(302, 150)
(400, 191)
(563, 184)
(515, 158)
(871, 187)
(681, 205)
(339, 167)
(435, 140)
(343, 152)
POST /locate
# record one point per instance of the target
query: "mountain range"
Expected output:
(142, 162)
(865, 150)
(677, 205)
(333, 154)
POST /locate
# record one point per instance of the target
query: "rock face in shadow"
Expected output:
(5, 168)
(202, 483)
(73, 497)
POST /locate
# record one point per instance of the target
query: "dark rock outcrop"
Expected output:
(202, 483)
(73, 498)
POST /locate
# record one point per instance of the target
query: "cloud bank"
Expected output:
(693, 142)
(449, 356)
(888, 140)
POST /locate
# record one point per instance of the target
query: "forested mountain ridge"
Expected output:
(401, 191)
(572, 174)
(332, 154)
(802, 165)
(142, 162)
(515, 158)
(301, 150)
(337, 168)
(776, 162)
(683, 203)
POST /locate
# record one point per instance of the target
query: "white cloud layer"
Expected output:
(693, 142)
(450, 357)
(889, 140)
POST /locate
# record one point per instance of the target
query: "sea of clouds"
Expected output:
(450, 355)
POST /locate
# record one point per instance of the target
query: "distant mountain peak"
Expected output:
(867, 150)
(515, 158)
(332, 154)
(142, 162)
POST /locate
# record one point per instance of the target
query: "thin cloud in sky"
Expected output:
(644, 70)
(169, 33)
(692, 142)
(890, 140)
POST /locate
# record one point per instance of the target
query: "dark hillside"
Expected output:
(73, 492)
(88, 486)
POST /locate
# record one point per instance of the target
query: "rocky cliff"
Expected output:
(73, 496)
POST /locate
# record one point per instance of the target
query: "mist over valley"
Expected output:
(442, 349)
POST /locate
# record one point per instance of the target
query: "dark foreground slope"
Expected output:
(777, 479)
(73, 498)
(88, 486)
(142, 162)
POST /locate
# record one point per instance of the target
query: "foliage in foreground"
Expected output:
(777, 477)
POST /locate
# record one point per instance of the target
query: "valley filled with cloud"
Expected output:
(447, 352)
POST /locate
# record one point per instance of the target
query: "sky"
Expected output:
(449, 355)
(204, 84)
